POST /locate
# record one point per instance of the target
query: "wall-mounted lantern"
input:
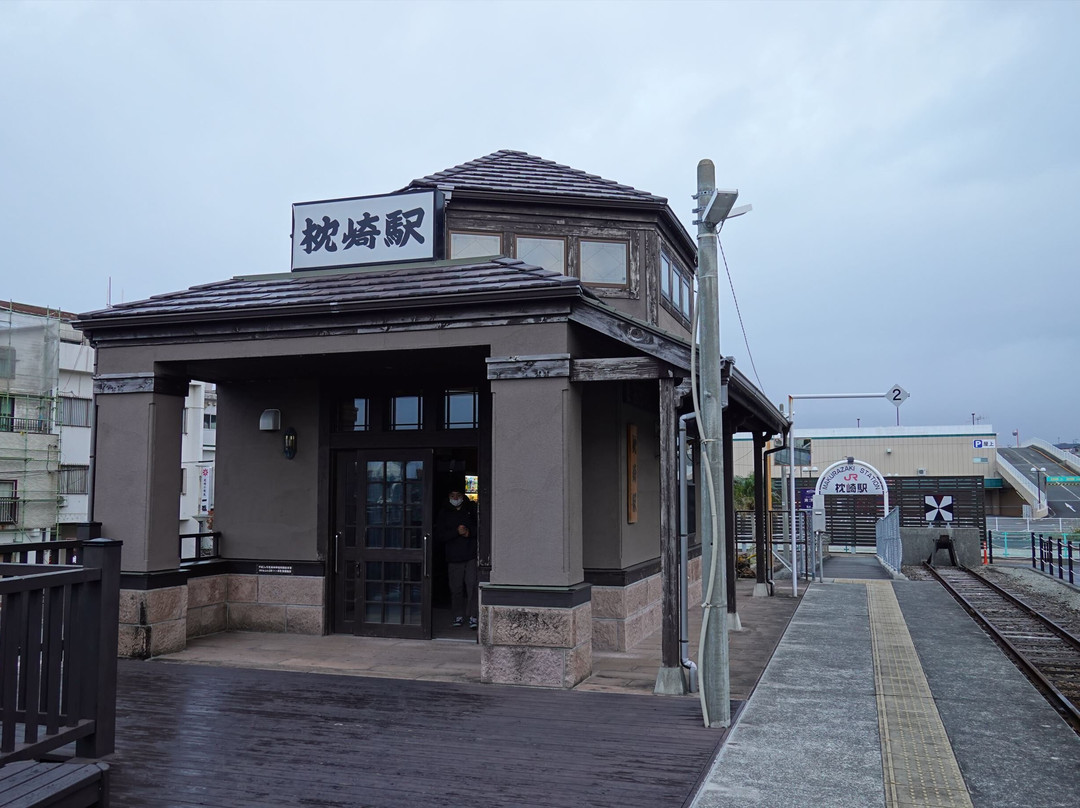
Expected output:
(290, 443)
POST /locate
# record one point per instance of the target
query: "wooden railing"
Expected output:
(58, 637)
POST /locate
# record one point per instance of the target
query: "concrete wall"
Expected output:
(918, 542)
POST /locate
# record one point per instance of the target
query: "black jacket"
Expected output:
(458, 548)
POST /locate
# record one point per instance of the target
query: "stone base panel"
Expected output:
(159, 621)
(624, 616)
(536, 646)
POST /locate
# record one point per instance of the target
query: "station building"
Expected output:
(510, 321)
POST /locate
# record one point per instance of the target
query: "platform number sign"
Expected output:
(897, 395)
(939, 509)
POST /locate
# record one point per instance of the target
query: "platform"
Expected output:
(887, 693)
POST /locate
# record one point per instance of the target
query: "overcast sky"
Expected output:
(913, 167)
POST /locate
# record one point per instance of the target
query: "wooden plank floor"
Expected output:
(197, 735)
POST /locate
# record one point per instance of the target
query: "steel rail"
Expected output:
(1062, 703)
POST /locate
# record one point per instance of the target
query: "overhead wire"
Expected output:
(738, 311)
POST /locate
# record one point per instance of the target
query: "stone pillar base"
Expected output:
(539, 636)
(152, 622)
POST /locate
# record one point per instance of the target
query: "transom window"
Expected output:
(460, 409)
(475, 245)
(406, 412)
(549, 253)
(604, 263)
(353, 415)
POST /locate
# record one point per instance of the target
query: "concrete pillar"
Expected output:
(536, 612)
(136, 500)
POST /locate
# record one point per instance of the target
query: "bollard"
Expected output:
(1060, 574)
(1069, 546)
(1033, 551)
(990, 544)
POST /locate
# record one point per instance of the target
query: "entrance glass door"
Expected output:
(382, 535)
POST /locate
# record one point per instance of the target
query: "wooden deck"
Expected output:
(197, 735)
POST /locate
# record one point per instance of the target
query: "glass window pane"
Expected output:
(405, 412)
(475, 245)
(373, 570)
(353, 415)
(414, 470)
(684, 286)
(549, 253)
(603, 262)
(665, 276)
(394, 471)
(373, 537)
(393, 538)
(373, 613)
(375, 470)
(461, 409)
(393, 614)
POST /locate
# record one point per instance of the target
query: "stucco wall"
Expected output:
(266, 506)
(536, 510)
(603, 478)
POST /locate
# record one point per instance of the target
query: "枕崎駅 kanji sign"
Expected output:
(367, 230)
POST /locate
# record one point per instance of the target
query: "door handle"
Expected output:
(424, 567)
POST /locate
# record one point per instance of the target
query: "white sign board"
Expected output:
(206, 489)
(983, 443)
(367, 230)
(897, 395)
(851, 478)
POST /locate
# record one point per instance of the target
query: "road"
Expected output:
(1062, 500)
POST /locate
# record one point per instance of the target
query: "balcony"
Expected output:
(35, 426)
(9, 510)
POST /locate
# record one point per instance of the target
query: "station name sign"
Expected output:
(851, 478)
(363, 230)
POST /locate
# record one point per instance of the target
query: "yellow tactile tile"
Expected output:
(917, 759)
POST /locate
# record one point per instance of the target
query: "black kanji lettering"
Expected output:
(361, 233)
(319, 236)
(402, 225)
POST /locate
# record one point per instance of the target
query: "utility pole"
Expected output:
(713, 207)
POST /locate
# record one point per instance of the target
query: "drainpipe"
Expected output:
(768, 482)
(684, 622)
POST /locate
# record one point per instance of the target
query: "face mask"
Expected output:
(456, 502)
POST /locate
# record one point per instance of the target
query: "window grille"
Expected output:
(75, 411)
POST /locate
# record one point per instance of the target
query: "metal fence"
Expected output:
(890, 550)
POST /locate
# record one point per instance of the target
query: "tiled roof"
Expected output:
(387, 286)
(508, 171)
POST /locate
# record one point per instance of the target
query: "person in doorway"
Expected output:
(455, 530)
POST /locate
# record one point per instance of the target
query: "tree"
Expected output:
(743, 493)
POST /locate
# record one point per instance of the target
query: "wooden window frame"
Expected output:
(545, 237)
(678, 276)
(581, 262)
(451, 233)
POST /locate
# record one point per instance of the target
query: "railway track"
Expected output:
(1046, 652)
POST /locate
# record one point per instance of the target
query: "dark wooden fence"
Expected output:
(58, 639)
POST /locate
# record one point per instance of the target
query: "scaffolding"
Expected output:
(29, 436)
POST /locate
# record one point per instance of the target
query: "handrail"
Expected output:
(201, 551)
(58, 636)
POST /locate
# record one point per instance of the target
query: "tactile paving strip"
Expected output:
(918, 762)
